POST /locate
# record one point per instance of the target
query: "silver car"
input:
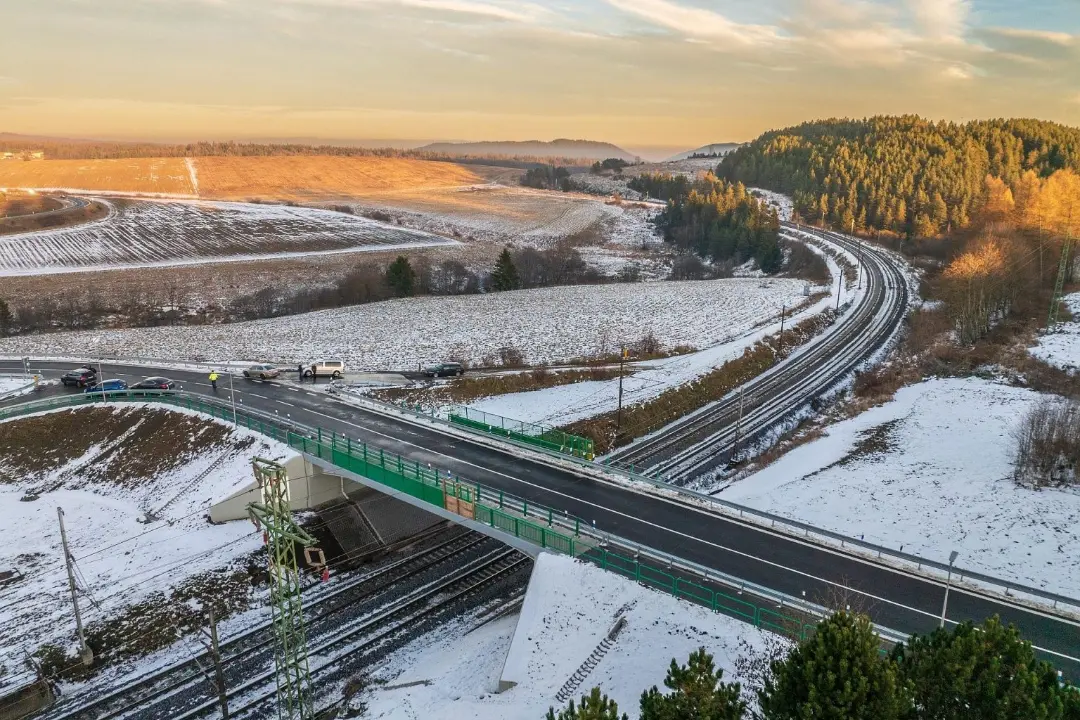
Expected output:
(262, 372)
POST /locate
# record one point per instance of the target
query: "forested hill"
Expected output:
(903, 174)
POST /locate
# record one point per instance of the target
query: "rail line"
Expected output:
(704, 440)
(378, 628)
(188, 674)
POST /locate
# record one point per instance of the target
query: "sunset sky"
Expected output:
(674, 73)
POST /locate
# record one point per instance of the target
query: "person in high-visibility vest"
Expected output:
(213, 379)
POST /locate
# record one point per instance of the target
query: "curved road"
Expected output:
(894, 597)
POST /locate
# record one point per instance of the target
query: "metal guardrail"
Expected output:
(535, 523)
(784, 524)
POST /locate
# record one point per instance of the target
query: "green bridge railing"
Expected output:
(542, 526)
(542, 436)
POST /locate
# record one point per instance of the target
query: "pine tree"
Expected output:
(697, 693)
(837, 674)
(505, 275)
(400, 277)
(594, 706)
(988, 673)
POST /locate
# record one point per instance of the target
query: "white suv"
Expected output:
(329, 368)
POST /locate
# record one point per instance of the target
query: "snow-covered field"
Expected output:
(146, 233)
(547, 324)
(931, 472)
(122, 558)
(569, 403)
(570, 607)
(1061, 348)
(512, 215)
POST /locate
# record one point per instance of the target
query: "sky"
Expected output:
(639, 73)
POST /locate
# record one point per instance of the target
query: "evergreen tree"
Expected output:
(594, 706)
(988, 673)
(6, 319)
(837, 674)
(697, 693)
(400, 277)
(505, 275)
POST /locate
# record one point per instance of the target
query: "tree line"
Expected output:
(716, 219)
(839, 673)
(903, 174)
(106, 150)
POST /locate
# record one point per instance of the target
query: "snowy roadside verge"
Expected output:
(572, 605)
(779, 524)
(927, 473)
(131, 538)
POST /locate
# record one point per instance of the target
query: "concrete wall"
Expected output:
(313, 481)
(309, 486)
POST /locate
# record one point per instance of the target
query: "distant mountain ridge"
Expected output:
(711, 149)
(559, 148)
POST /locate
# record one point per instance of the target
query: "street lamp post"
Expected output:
(101, 379)
(948, 583)
(232, 397)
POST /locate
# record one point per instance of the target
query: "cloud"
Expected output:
(1047, 36)
(523, 12)
(697, 22)
(958, 72)
(941, 19)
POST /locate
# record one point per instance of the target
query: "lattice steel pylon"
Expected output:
(1059, 284)
(274, 517)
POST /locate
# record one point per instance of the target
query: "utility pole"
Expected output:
(618, 414)
(215, 654)
(85, 651)
(274, 517)
(839, 284)
(780, 352)
(738, 427)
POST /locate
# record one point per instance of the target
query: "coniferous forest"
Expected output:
(904, 174)
(715, 218)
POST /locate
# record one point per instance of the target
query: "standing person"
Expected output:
(213, 379)
(314, 375)
(300, 372)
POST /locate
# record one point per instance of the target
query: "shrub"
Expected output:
(1048, 444)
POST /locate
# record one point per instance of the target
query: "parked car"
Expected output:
(106, 386)
(328, 368)
(262, 372)
(154, 383)
(445, 369)
(79, 377)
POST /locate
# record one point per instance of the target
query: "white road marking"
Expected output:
(687, 536)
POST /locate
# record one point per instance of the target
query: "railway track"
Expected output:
(705, 440)
(333, 657)
(322, 609)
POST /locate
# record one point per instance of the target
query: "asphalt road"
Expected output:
(894, 598)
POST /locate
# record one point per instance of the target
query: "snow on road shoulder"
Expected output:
(574, 604)
(1061, 348)
(931, 472)
(123, 556)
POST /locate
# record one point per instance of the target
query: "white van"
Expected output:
(326, 368)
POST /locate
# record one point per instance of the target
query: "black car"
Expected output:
(445, 369)
(154, 383)
(79, 377)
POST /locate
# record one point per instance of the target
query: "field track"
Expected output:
(243, 178)
(144, 233)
